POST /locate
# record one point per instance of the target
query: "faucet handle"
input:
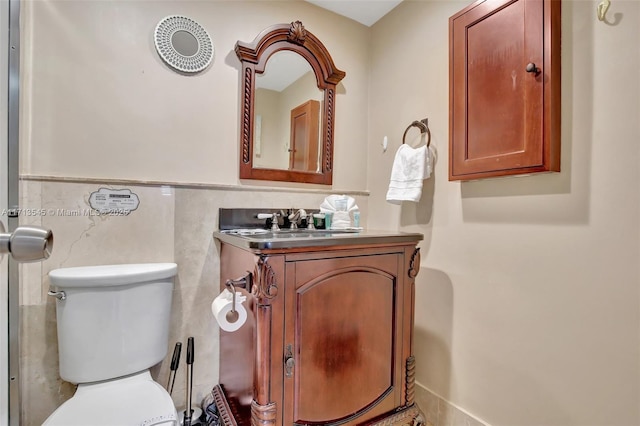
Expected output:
(273, 217)
(310, 222)
(274, 222)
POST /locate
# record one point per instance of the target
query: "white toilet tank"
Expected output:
(113, 319)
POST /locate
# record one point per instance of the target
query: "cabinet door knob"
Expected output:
(289, 362)
(531, 67)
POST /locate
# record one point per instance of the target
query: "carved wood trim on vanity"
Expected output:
(266, 287)
(263, 410)
(414, 264)
(263, 415)
(410, 380)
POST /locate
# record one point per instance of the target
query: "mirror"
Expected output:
(288, 88)
(184, 43)
(287, 115)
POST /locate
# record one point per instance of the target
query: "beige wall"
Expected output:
(528, 297)
(99, 102)
(273, 148)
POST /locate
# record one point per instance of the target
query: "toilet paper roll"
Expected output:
(223, 304)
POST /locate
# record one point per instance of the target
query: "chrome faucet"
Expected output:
(294, 217)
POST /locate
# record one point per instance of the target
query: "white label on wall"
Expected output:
(114, 201)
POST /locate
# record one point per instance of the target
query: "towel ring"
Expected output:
(423, 125)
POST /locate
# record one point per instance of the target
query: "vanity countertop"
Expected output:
(301, 238)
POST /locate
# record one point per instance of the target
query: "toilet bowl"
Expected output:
(134, 400)
(113, 325)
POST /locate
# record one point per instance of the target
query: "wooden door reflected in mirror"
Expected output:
(303, 149)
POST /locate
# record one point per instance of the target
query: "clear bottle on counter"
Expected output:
(356, 219)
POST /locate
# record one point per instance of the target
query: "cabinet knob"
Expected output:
(531, 67)
(289, 362)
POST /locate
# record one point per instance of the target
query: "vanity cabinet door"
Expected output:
(504, 88)
(341, 339)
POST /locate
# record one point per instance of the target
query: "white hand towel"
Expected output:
(332, 203)
(341, 206)
(410, 167)
(428, 168)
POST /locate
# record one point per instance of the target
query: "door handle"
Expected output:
(531, 67)
(26, 243)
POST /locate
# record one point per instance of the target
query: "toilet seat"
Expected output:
(133, 400)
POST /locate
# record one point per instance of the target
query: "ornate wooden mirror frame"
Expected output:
(254, 56)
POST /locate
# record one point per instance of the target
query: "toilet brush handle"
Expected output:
(190, 356)
(190, 353)
(175, 362)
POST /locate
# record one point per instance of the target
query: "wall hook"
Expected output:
(602, 9)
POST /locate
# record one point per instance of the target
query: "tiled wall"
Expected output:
(439, 412)
(171, 224)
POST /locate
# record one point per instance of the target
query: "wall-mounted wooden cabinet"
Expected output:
(504, 89)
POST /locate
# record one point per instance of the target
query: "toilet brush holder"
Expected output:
(189, 415)
(196, 416)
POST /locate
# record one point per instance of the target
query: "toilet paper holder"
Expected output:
(245, 282)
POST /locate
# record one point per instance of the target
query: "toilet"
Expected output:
(113, 325)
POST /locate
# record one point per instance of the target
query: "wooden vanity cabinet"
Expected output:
(328, 340)
(504, 89)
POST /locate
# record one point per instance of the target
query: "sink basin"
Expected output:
(290, 233)
(307, 233)
(242, 228)
(301, 238)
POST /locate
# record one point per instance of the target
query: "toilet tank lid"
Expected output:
(111, 275)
